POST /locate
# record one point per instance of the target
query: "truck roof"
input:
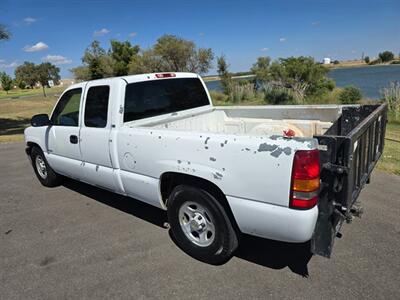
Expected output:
(144, 77)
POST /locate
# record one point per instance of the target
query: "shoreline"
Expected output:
(333, 67)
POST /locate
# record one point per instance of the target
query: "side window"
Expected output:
(66, 112)
(96, 106)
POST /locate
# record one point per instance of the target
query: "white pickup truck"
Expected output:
(287, 173)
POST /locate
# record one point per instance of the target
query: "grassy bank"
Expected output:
(390, 160)
(15, 115)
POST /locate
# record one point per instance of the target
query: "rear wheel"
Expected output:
(43, 171)
(200, 226)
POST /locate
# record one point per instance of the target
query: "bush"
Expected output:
(366, 59)
(391, 95)
(330, 97)
(302, 74)
(240, 92)
(218, 96)
(395, 62)
(386, 56)
(277, 94)
(376, 61)
(336, 62)
(350, 95)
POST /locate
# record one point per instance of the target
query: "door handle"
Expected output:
(73, 139)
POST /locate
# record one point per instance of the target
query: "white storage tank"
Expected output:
(327, 61)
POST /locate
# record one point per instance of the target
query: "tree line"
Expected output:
(169, 53)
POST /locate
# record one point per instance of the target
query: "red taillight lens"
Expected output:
(165, 75)
(304, 204)
(306, 164)
(305, 179)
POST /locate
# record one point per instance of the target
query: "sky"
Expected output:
(59, 31)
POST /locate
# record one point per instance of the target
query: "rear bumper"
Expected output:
(273, 222)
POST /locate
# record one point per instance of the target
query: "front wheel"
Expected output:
(43, 171)
(200, 226)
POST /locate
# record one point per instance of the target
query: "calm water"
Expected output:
(369, 79)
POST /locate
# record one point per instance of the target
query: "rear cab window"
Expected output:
(156, 97)
(96, 106)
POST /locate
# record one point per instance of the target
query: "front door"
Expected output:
(95, 135)
(63, 149)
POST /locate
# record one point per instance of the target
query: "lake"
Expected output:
(368, 79)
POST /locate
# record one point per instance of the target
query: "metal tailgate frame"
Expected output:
(349, 151)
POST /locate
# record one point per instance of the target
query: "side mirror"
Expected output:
(40, 120)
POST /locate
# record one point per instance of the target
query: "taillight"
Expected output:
(305, 179)
(165, 75)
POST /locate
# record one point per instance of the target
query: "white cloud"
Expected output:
(315, 23)
(133, 34)
(29, 20)
(57, 59)
(282, 39)
(264, 49)
(353, 51)
(101, 32)
(201, 33)
(3, 65)
(37, 47)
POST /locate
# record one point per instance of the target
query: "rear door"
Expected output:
(62, 140)
(95, 134)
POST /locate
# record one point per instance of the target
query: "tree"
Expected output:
(175, 54)
(122, 53)
(350, 95)
(20, 84)
(386, 56)
(261, 68)
(147, 62)
(4, 33)
(6, 82)
(100, 65)
(81, 73)
(27, 73)
(45, 72)
(366, 59)
(301, 74)
(225, 76)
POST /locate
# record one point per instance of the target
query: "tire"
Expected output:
(200, 226)
(43, 171)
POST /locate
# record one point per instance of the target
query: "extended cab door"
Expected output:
(95, 134)
(62, 142)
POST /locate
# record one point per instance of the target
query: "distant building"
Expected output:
(326, 61)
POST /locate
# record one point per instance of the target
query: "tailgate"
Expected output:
(349, 151)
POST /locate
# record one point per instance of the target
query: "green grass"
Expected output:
(38, 92)
(15, 115)
(390, 160)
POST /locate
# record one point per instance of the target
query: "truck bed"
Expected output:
(304, 121)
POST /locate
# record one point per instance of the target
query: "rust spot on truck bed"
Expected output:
(275, 150)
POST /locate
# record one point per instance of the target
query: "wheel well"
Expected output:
(29, 146)
(170, 180)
